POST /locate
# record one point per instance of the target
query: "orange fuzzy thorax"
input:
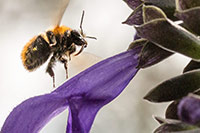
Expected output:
(60, 29)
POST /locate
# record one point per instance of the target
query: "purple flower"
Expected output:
(189, 109)
(84, 94)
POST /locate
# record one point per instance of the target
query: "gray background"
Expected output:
(22, 19)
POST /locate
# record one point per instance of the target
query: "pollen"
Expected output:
(35, 49)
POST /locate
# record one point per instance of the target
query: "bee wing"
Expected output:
(82, 62)
(59, 9)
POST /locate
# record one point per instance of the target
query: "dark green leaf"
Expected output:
(192, 66)
(175, 88)
(197, 92)
(191, 19)
(151, 13)
(136, 43)
(166, 121)
(177, 128)
(171, 36)
(136, 37)
(171, 112)
(168, 6)
(135, 18)
(133, 3)
(152, 54)
(170, 125)
(187, 4)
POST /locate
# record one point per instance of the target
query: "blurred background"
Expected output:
(23, 19)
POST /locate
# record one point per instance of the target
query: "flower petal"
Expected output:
(99, 76)
(82, 114)
(189, 109)
(85, 94)
(100, 85)
(31, 115)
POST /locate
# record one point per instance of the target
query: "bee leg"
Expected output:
(65, 65)
(68, 55)
(49, 69)
(64, 60)
(82, 47)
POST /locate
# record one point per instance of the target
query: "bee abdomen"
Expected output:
(35, 53)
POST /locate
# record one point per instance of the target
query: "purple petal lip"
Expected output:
(84, 94)
(31, 115)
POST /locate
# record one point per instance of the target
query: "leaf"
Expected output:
(170, 36)
(135, 18)
(133, 3)
(136, 43)
(177, 128)
(175, 88)
(136, 37)
(152, 54)
(171, 111)
(152, 12)
(191, 19)
(168, 6)
(192, 66)
(170, 125)
(187, 4)
(166, 121)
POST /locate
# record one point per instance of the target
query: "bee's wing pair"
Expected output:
(82, 62)
(59, 10)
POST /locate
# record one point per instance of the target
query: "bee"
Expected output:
(57, 44)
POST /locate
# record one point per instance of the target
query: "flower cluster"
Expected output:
(165, 27)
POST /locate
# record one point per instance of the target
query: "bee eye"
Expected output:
(75, 33)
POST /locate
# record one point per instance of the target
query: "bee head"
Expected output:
(78, 38)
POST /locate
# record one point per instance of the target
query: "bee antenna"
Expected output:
(82, 27)
(91, 37)
(82, 22)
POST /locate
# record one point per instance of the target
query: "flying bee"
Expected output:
(59, 43)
